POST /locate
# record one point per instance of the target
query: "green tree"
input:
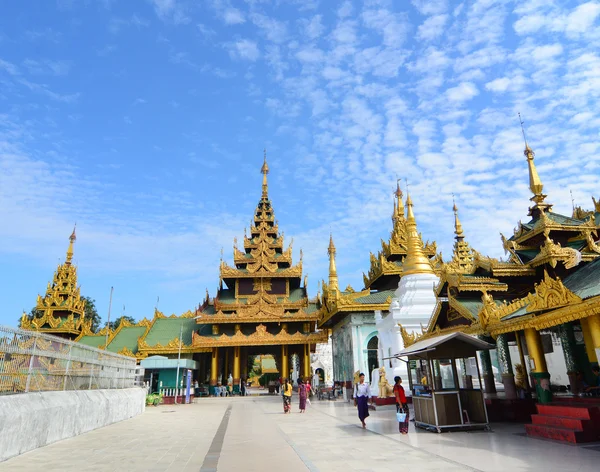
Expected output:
(91, 313)
(115, 324)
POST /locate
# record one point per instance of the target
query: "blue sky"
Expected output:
(145, 121)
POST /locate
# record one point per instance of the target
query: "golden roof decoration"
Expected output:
(408, 339)
(416, 261)
(552, 253)
(333, 278)
(388, 261)
(551, 293)
(62, 296)
(260, 337)
(463, 257)
(535, 183)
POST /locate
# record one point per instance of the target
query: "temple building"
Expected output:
(351, 315)
(61, 311)
(261, 307)
(541, 304)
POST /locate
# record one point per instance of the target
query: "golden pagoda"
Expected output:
(261, 306)
(387, 266)
(61, 309)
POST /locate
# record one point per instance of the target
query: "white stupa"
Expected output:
(413, 303)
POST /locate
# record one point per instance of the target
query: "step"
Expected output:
(559, 434)
(581, 412)
(577, 424)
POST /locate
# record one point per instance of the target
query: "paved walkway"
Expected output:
(251, 434)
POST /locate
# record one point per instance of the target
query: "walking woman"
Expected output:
(362, 394)
(302, 394)
(401, 404)
(287, 396)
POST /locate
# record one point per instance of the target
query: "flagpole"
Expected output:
(108, 321)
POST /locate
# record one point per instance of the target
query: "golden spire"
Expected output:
(72, 239)
(458, 230)
(535, 183)
(265, 170)
(333, 278)
(400, 206)
(416, 261)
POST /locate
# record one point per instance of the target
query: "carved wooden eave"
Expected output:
(252, 243)
(261, 337)
(503, 269)
(172, 347)
(346, 303)
(551, 253)
(258, 314)
(549, 295)
(227, 272)
(126, 352)
(239, 306)
(559, 316)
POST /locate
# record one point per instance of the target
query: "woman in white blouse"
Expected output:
(362, 394)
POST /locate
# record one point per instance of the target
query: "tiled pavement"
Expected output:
(254, 435)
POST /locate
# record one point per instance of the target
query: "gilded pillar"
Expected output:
(236, 369)
(506, 368)
(594, 327)
(522, 379)
(567, 340)
(539, 369)
(306, 362)
(588, 340)
(214, 368)
(486, 368)
(285, 371)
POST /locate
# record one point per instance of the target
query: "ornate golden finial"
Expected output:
(398, 205)
(535, 183)
(72, 240)
(265, 170)
(416, 261)
(458, 230)
(333, 278)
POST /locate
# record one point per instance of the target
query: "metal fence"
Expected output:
(38, 362)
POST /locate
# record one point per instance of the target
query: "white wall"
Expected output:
(32, 420)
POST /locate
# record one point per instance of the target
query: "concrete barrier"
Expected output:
(32, 420)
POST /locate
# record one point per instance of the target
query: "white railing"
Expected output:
(37, 362)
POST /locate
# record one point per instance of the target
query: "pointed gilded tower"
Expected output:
(462, 257)
(414, 300)
(61, 310)
(261, 306)
(388, 265)
(333, 277)
(416, 261)
(535, 183)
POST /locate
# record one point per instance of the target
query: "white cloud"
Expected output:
(432, 27)
(245, 49)
(582, 18)
(498, 85)
(462, 93)
(430, 7)
(273, 29)
(314, 27)
(47, 67)
(233, 16)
